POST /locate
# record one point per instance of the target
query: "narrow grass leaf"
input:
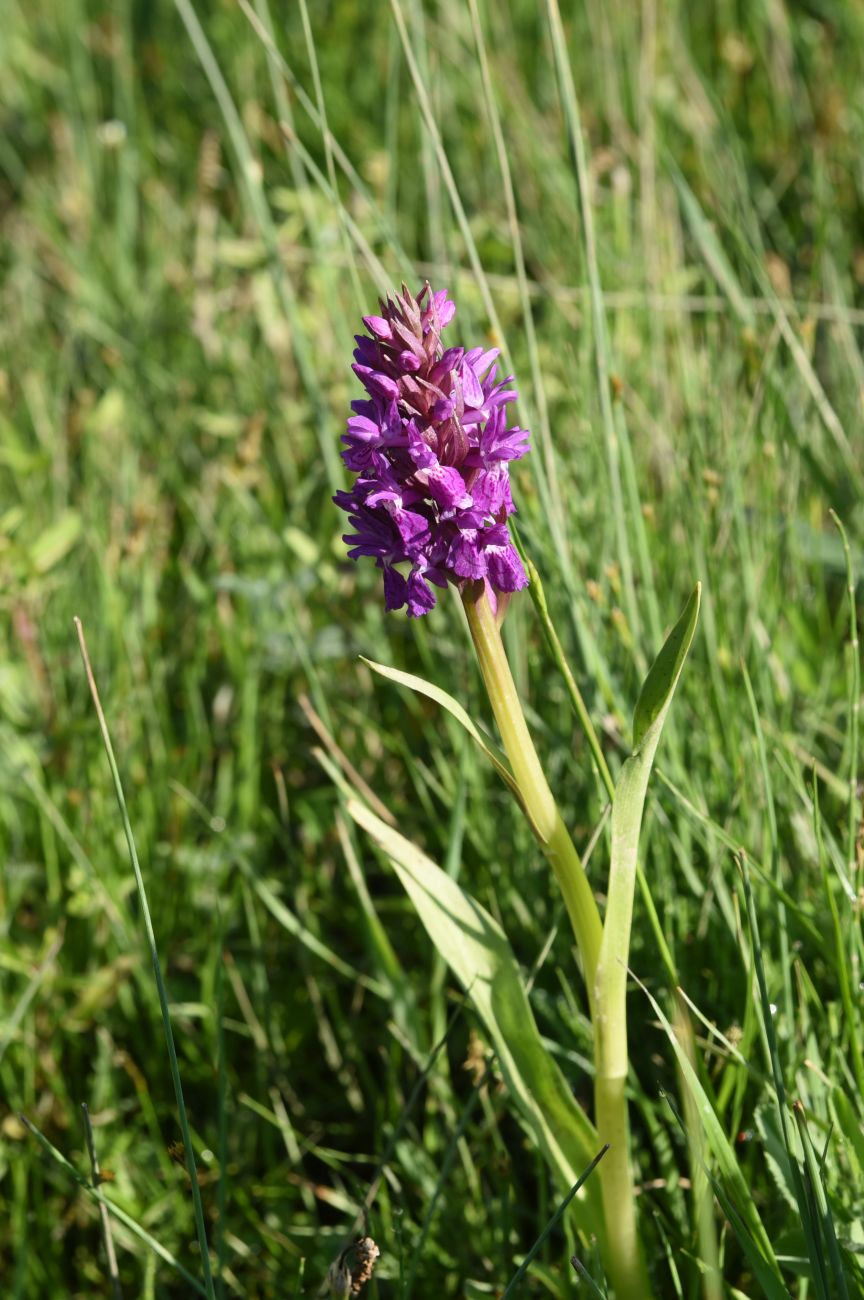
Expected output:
(627, 809)
(614, 428)
(523, 1268)
(739, 1197)
(813, 1174)
(286, 918)
(157, 970)
(538, 597)
(13, 1020)
(854, 673)
(104, 1217)
(785, 965)
(256, 200)
(803, 1194)
(713, 253)
(585, 1276)
(120, 1215)
(850, 1126)
(851, 1009)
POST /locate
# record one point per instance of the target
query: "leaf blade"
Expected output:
(479, 954)
(659, 686)
(455, 709)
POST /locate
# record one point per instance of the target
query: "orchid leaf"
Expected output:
(455, 709)
(479, 955)
(659, 686)
(627, 809)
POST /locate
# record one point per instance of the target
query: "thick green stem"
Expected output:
(624, 1260)
(537, 798)
(625, 1263)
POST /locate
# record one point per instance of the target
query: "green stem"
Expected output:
(625, 1265)
(537, 798)
(538, 595)
(625, 1262)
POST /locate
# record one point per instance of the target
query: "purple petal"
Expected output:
(446, 487)
(395, 589)
(375, 383)
(362, 429)
(443, 408)
(491, 490)
(482, 362)
(445, 308)
(466, 557)
(345, 500)
(393, 431)
(413, 531)
(471, 390)
(421, 597)
(362, 439)
(378, 326)
(505, 568)
(367, 351)
(376, 534)
(419, 450)
(446, 365)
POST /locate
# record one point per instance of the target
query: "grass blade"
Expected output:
(553, 1223)
(616, 436)
(120, 1215)
(626, 1264)
(627, 809)
(819, 1199)
(104, 1217)
(157, 970)
(737, 1195)
(854, 702)
(764, 1266)
(257, 203)
(800, 1188)
(455, 709)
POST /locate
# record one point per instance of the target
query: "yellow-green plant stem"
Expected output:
(625, 1259)
(537, 798)
(604, 961)
(625, 1262)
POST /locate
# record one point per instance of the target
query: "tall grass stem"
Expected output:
(197, 1205)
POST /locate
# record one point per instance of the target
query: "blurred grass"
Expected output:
(178, 293)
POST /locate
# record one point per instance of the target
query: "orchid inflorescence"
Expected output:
(431, 448)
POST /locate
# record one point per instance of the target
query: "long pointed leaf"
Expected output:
(627, 808)
(455, 709)
(733, 1180)
(477, 951)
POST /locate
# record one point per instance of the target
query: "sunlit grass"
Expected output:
(182, 256)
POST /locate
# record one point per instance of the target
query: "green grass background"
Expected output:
(185, 255)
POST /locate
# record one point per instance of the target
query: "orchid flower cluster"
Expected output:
(431, 448)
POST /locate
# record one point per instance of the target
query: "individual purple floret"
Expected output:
(431, 450)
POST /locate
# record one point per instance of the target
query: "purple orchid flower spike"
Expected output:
(431, 450)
